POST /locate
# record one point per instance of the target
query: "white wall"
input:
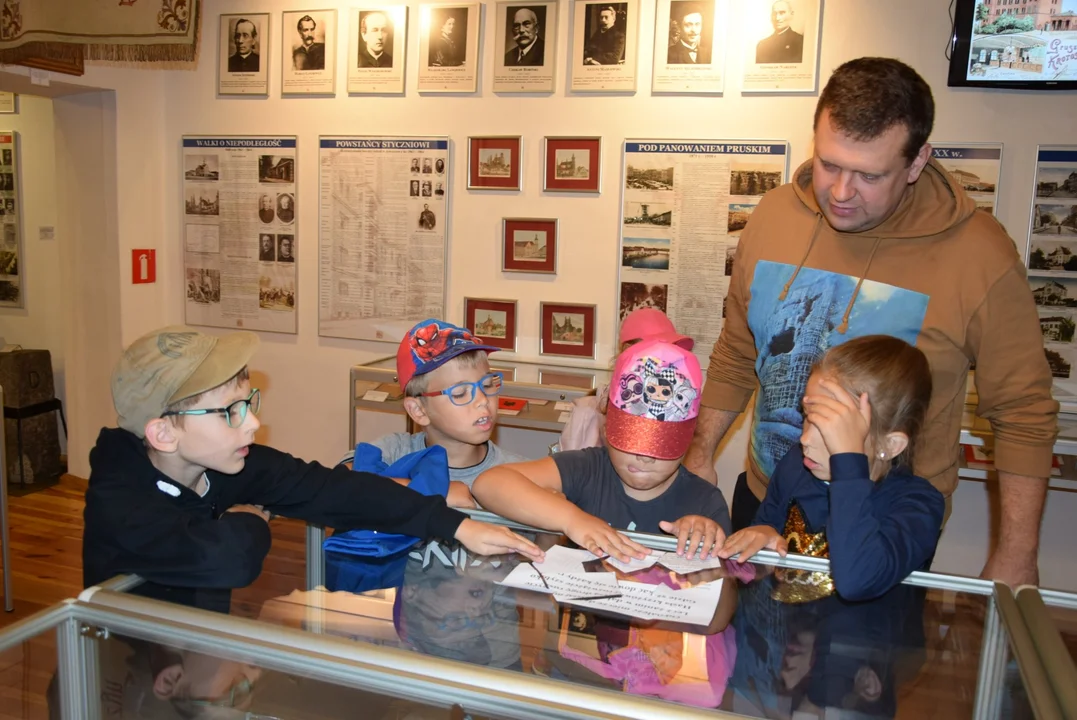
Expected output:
(305, 377)
(38, 324)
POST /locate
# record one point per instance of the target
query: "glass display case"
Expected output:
(435, 634)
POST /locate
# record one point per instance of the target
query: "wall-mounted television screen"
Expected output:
(1024, 44)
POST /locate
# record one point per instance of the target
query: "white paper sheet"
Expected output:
(694, 606)
(563, 586)
(668, 560)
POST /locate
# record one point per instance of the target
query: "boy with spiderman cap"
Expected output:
(181, 495)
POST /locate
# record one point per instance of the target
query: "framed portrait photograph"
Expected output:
(243, 61)
(572, 164)
(525, 47)
(689, 46)
(529, 245)
(493, 163)
(604, 43)
(449, 48)
(567, 330)
(308, 52)
(492, 321)
(377, 50)
(781, 40)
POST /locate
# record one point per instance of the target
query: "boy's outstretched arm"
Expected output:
(529, 493)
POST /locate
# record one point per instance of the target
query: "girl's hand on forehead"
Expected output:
(842, 420)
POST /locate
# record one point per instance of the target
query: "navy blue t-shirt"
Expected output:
(589, 481)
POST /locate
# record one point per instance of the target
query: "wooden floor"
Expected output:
(46, 567)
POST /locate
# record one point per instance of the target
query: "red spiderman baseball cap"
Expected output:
(431, 344)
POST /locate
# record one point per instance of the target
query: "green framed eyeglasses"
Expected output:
(234, 414)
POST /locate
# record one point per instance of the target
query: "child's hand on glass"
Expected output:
(695, 531)
(842, 420)
(751, 540)
(593, 534)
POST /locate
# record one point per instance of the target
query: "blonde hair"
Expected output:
(897, 379)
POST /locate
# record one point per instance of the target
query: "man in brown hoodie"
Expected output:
(872, 236)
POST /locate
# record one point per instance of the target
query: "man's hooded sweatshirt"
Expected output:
(938, 273)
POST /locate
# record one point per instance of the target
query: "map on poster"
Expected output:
(11, 223)
(1052, 263)
(975, 166)
(382, 234)
(685, 204)
(239, 232)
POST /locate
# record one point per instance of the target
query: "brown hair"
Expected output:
(188, 403)
(896, 378)
(868, 96)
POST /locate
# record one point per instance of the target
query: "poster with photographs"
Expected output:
(525, 47)
(604, 45)
(449, 48)
(1052, 263)
(239, 232)
(689, 46)
(243, 54)
(685, 205)
(11, 221)
(976, 167)
(780, 41)
(377, 50)
(382, 234)
(309, 52)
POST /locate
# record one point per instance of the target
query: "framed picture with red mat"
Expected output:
(529, 245)
(493, 163)
(567, 330)
(492, 321)
(572, 164)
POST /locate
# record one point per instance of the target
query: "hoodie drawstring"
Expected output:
(849, 308)
(811, 244)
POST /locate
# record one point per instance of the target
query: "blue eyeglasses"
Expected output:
(464, 392)
(234, 414)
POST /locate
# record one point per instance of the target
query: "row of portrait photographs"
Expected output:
(426, 188)
(780, 39)
(428, 166)
(279, 247)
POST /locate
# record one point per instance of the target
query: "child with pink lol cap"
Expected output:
(587, 422)
(637, 481)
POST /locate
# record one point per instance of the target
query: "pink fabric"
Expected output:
(652, 324)
(585, 423)
(634, 668)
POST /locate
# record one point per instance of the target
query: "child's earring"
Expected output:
(882, 455)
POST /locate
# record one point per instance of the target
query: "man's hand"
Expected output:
(460, 496)
(695, 531)
(485, 539)
(1012, 567)
(252, 509)
(751, 540)
(592, 534)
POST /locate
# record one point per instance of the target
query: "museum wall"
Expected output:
(38, 324)
(305, 377)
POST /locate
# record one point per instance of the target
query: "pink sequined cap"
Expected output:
(654, 400)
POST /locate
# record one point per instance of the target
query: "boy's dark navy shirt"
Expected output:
(590, 482)
(879, 532)
(190, 551)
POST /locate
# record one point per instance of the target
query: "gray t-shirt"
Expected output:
(589, 481)
(396, 445)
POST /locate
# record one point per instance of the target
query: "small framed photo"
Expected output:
(603, 53)
(308, 52)
(493, 163)
(567, 330)
(572, 164)
(8, 103)
(492, 321)
(529, 245)
(525, 46)
(243, 62)
(449, 48)
(377, 48)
